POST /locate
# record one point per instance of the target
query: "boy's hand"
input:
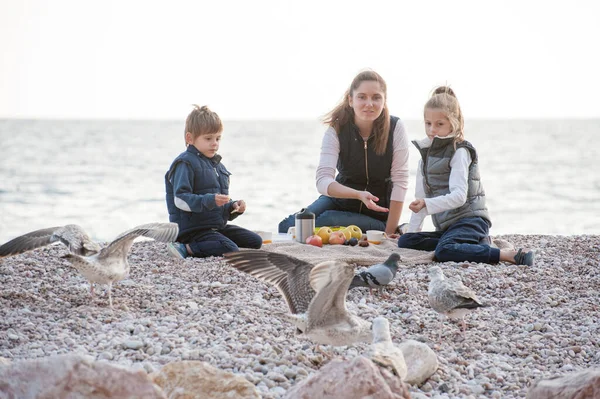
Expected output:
(369, 200)
(221, 199)
(417, 205)
(239, 206)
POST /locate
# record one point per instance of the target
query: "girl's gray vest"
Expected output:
(360, 168)
(436, 175)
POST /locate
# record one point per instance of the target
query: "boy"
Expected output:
(197, 186)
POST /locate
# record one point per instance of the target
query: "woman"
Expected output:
(369, 148)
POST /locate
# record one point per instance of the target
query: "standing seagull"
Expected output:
(103, 266)
(383, 351)
(315, 294)
(450, 297)
(377, 276)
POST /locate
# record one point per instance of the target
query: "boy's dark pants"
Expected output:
(464, 241)
(207, 243)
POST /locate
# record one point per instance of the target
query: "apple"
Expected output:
(347, 234)
(314, 240)
(324, 232)
(355, 231)
(337, 238)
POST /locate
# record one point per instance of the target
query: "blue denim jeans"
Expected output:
(327, 213)
(465, 241)
(207, 243)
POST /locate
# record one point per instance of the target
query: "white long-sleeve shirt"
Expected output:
(457, 184)
(330, 152)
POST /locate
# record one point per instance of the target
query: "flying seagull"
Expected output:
(383, 352)
(450, 298)
(98, 265)
(377, 276)
(315, 294)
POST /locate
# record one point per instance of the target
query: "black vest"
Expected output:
(210, 177)
(360, 168)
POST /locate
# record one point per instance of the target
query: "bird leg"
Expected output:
(92, 289)
(323, 352)
(464, 327)
(110, 294)
(383, 293)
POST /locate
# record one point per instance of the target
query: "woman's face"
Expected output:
(367, 101)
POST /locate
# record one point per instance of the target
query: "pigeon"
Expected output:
(98, 265)
(383, 352)
(377, 276)
(315, 294)
(450, 298)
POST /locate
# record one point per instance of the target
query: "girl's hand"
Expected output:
(417, 205)
(221, 199)
(239, 206)
(369, 200)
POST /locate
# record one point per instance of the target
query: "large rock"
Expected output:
(193, 379)
(73, 376)
(356, 379)
(582, 385)
(420, 359)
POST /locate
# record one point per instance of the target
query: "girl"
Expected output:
(369, 148)
(449, 188)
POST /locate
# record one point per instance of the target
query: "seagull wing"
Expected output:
(288, 274)
(73, 236)
(330, 280)
(120, 246)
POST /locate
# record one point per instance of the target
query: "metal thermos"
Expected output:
(305, 225)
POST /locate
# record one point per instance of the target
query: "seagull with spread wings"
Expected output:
(315, 294)
(98, 265)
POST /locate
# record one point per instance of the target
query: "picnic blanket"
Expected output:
(361, 256)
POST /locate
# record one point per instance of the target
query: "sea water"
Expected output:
(540, 176)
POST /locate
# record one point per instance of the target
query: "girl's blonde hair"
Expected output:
(444, 99)
(202, 121)
(343, 113)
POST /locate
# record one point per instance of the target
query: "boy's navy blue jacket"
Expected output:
(191, 184)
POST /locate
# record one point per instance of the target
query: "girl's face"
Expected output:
(367, 101)
(437, 123)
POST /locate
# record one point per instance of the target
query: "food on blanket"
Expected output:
(355, 231)
(353, 241)
(324, 232)
(347, 233)
(346, 242)
(337, 238)
(317, 241)
(363, 243)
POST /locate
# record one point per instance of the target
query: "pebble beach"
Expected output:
(541, 321)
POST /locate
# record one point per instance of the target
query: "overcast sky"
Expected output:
(283, 59)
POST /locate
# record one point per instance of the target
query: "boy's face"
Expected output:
(207, 144)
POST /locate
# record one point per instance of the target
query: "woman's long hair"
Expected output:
(343, 113)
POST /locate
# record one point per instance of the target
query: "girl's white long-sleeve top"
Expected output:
(457, 184)
(330, 152)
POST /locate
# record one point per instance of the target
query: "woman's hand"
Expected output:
(369, 200)
(417, 205)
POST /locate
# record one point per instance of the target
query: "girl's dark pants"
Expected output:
(464, 241)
